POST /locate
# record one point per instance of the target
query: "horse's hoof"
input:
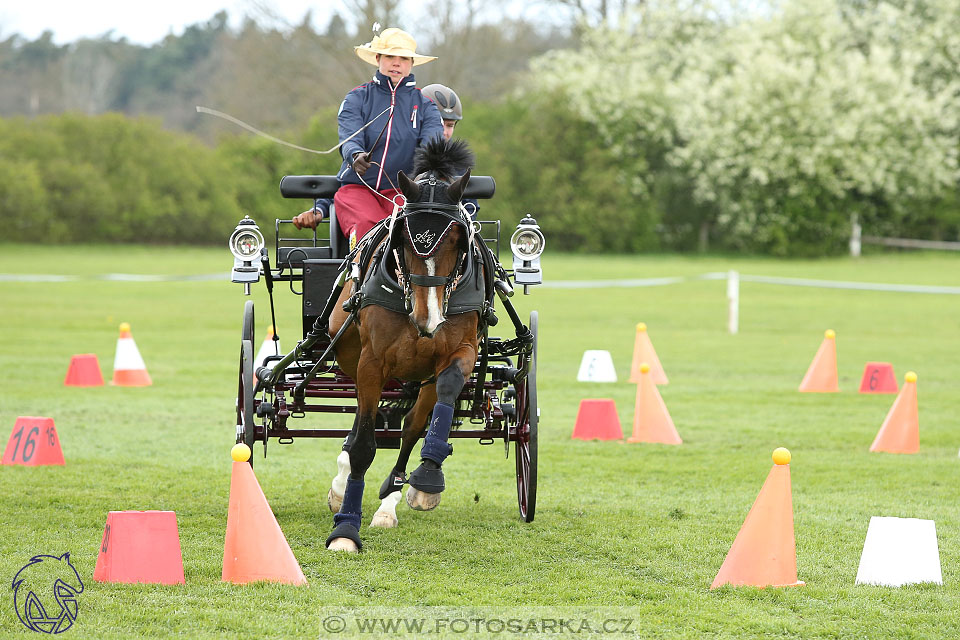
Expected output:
(334, 501)
(384, 520)
(343, 544)
(421, 501)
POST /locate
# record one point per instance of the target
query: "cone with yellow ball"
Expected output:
(764, 553)
(643, 351)
(255, 548)
(129, 369)
(821, 376)
(900, 431)
(651, 420)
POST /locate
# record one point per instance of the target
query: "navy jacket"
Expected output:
(414, 121)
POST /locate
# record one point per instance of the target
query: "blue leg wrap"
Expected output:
(435, 445)
(352, 501)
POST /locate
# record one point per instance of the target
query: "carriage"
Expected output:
(276, 397)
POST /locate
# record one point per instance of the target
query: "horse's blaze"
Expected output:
(432, 299)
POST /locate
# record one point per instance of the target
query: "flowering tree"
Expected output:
(783, 121)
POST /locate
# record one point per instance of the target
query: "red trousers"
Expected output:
(358, 209)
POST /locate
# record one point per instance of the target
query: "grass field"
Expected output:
(640, 527)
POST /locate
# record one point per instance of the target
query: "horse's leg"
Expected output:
(346, 530)
(348, 355)
(414, 424)
(426, 481)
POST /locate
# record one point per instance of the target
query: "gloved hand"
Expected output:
(308, 219)
(361, 162)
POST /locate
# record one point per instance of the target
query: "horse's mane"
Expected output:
(448, 158)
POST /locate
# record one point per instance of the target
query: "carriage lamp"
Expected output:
(527, 243)
(245, 244)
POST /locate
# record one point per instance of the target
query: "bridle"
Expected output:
(454, 212)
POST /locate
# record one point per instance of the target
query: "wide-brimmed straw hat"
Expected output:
(392, 42)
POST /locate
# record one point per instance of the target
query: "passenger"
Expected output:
(372, 159)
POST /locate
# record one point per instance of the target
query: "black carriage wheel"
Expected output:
(245, 396)
(249, 327)
(245, 383)
(527, 423)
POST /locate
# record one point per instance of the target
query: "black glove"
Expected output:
(361, 162)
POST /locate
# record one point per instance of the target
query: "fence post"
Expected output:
(733, 298)
(855, 231)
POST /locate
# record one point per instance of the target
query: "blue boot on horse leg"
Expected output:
(346, 523)
(426, 481)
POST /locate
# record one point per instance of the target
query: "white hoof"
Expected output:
(420, 501)
(383, 520)
(343, 544)
(334, 501)
(386, 515)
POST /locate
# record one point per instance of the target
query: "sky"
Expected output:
(139, 21)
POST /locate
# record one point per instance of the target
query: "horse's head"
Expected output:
(433, 231)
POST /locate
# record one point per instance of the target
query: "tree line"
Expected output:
(663, 126)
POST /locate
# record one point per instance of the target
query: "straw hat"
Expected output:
(392, 42)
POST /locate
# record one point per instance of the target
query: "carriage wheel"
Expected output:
(527, 422)
(245, 396)
(245, 384)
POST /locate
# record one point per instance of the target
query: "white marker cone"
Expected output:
(900, 551)
(596, 366)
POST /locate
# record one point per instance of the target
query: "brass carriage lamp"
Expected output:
(245, 244)
(527, 243)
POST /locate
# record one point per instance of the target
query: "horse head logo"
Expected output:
(45, 593)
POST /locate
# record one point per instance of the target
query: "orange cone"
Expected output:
(270, 347)
(822, 375)
(643, 351)
(764, 553)
(33, 443)
(140, 546)
(255, 547)
(597, 420)
(128, 367)
(900, 431)
(878, 378)
(651, 420)
(84, 371)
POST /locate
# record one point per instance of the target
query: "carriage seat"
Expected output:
(317, 187)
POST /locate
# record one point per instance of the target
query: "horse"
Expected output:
(416, 339)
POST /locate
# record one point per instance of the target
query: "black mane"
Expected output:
(448, 158)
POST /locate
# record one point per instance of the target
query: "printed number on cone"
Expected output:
(33, 443)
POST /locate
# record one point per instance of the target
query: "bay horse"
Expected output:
(409, 335)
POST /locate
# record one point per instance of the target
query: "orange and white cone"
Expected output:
(267, 348)
(129, 369)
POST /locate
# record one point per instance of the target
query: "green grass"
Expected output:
(639, 526)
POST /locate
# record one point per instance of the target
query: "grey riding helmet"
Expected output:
(446, 100)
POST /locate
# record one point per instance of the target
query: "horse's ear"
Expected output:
(455, 190)
(409, 188)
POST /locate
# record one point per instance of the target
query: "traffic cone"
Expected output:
(84, 371)
(764, 553)
(597, 420)
(596, 366)
(899, 551)
(128, 367)
(900, 431)
(651, 420)
(821, 377)
(878, 378)
(255, 547)
(33, 443)
(270, 347)
(643, 351)
(140, 546)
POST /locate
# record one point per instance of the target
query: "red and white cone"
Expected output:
(267, 349)
(129, 369)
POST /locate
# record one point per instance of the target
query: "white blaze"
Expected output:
(434, 315)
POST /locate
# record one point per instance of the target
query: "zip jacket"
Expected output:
(413, 121)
